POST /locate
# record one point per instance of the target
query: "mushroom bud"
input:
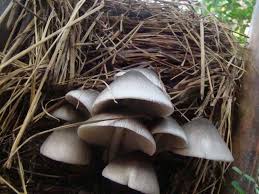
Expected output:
(169, 134)
(134, 93)
(64, 145)
(135, 172)
(117, 131)
(204, 142)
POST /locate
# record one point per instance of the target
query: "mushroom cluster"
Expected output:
(117, 120)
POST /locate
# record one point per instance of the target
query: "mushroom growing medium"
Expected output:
(82, 99)
(135, 172)
(148, 73)
(67, 113)
(117, 132)
(204, 142)
(64, 145)
(133, 93)
(169, 134)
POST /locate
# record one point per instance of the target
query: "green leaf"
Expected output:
(235, 12)
(237, 170)
(249, 178)
(237, 187)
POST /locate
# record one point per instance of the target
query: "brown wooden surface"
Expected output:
(246, 135)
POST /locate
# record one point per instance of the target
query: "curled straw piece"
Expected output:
(117, 131)
(133, 93)
(135, 172)
(65, 146)
(204, 142)
(169, 134)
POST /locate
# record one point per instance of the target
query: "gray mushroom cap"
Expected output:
(64, 145)
(148, 73)
(82, 99)
(104, 127)
(169, 134)
(67, 113)
(135, 93)
(204, 142)
(134, 172)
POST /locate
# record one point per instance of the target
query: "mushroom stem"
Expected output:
(115, 142)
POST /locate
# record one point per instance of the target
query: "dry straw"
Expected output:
(54, 46)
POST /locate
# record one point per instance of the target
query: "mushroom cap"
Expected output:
(65, 146)
(136, 94)
(204, 142)
(134, 172)
(169, 134)
(67, 113)
(148, 73)
(83, 99)
(101, 128)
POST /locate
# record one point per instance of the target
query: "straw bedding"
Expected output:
(54, 46)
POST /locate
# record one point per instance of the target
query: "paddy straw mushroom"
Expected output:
(67, 113)
(135, 172)
(204, 142)
(169, 134)
(117, 131)
(64, 145)
(82, 99)
(135, 93)
(148, 73)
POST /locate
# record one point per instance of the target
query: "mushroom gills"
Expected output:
(118, 133)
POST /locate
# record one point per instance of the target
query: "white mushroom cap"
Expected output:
(169, 134)
(204, 142)
(83, 99)
(148, 73)
(104, 126)
(136, 173)
(65, 146)
(66, 112)
(135, 93)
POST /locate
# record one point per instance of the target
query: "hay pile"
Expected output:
(52, 47)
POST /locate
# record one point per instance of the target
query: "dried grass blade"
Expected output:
(203, 68)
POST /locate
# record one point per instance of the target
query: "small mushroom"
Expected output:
(64, 145)
(135, 172)
(82, 99)
(204, 142)
(117, 131)
(134, 93)
(169, 134)
(148, 73)
(67, 113)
